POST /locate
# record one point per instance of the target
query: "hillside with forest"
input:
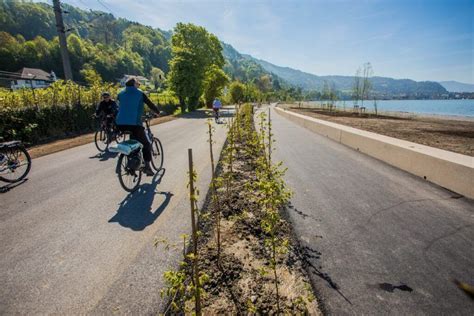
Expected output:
(185, 69)
(97, 41)
(455, 86)
(383, 87)
(103, 46)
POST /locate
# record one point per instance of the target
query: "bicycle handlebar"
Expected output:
(150, 116)
(103, 116)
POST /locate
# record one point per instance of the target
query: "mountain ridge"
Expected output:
(456, 86)
(150, 47)
(383, 87)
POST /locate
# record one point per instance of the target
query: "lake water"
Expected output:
(438, 107)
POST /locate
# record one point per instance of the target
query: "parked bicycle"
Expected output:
(131, 162)
(15, 162)
(107, 133)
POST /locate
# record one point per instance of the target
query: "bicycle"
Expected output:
(131, 162)
(107, 133)
(216, 115)
(15, 162)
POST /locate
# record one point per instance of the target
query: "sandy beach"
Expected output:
(452, 133)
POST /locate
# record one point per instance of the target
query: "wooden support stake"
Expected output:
(192, 198)
(216, 197)
(269, 139)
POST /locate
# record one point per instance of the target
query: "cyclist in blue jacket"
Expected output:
(129, 118)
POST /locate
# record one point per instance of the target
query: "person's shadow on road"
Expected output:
(7, 187)
(135, 211)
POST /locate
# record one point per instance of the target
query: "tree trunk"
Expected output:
(182, 104)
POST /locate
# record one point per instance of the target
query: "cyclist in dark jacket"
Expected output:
(107, 109)
(131, 103)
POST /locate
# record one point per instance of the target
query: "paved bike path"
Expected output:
(392, 242)
(72, 241)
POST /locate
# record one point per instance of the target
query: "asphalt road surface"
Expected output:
(383, 241)
(72, 241)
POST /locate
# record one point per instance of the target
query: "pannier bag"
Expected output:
(126, 147)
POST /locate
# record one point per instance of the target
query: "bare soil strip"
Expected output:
(243, 282)
(443, 133)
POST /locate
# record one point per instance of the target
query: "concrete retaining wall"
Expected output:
(447, 169)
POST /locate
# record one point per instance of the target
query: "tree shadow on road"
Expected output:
(311, 257)
(208, 113)
(135, 211)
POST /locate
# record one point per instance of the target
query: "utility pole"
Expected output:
(58, 13)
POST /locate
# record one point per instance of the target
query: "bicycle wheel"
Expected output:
(157, 155)
(129, 179)
(101, 140)
(17, 165)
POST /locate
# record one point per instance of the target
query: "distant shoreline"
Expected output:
(407, 111)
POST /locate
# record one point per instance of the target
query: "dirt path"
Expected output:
(444, 133)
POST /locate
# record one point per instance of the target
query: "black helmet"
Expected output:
(105, 94)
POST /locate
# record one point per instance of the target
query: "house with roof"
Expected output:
(32, 78)
(144, 81)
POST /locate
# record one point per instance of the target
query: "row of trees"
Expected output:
(197, 73)
(103, 49)
(239, 92)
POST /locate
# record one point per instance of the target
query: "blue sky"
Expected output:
(420, 40)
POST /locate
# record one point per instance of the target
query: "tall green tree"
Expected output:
(30, 20)
(264, 83)
(157, 77)
(10, 51)
(252, 93)
(236, 90)
(214, 83)
(194, 51)
(90, 75)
